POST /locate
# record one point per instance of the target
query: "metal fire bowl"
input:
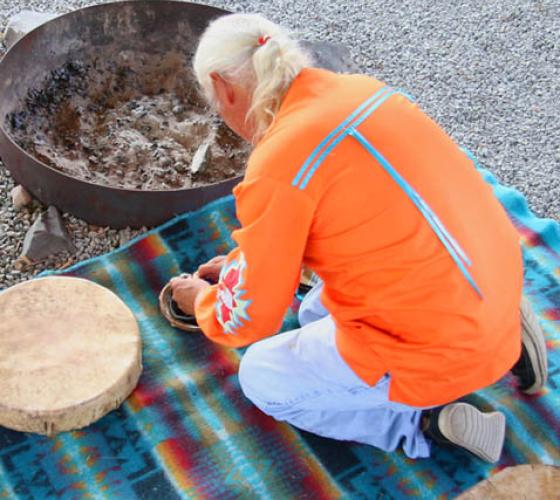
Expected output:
(134, 24)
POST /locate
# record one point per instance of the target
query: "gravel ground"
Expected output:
(489, 72)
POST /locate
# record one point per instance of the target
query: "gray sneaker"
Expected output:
(465, 426)
(532, 368)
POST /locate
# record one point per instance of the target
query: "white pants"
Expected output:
(300, 378)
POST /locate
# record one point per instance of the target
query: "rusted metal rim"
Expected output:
(49, 46)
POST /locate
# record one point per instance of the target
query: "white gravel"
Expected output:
(489, 72)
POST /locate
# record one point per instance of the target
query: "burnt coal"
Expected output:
(133, 120)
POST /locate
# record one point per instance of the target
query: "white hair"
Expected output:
(253, 52)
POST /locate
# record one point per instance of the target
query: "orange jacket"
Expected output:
(400, 302)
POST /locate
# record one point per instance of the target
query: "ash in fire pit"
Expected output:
(134, 120)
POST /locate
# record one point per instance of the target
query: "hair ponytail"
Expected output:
(276, 63)
(255, 53)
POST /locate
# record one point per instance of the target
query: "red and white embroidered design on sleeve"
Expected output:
(231, 308)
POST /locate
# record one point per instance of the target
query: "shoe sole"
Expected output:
(533, 339)
(480, 433)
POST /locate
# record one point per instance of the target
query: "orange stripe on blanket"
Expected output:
(177, 463)
(144, 395)
(319, 481)
(149, 248)
(551, 314)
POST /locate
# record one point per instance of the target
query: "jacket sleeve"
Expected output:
(258, 281)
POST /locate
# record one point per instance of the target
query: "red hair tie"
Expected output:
(263, 40)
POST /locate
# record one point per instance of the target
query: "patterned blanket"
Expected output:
(188, 432)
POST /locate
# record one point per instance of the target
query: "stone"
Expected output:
(47, 236)
(22, 23)
(331, 56)
(125, 235)
(20, 197)
(201, 158)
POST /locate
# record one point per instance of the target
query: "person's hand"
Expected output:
(211, 270)
(185, 289)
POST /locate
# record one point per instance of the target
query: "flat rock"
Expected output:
(331, 56)
(201, 158)
(22, 23)
(20, 197)
(47, 236)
